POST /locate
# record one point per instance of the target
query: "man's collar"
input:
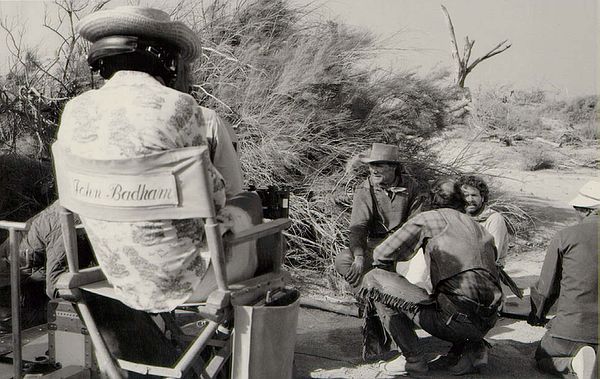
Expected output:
(130, 77)
(484, 213)
(396, 187)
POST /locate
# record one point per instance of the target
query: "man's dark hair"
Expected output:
(116, 53)
(134, 62)
(445, 193)
(477, 183)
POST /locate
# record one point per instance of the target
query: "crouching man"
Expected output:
(467, 292)
(570, 275)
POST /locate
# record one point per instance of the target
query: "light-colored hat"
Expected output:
(139, 21)
(380, 152)
(588, 196)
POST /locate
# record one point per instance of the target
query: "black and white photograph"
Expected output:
(278, 189)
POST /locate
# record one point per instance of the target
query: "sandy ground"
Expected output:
(329, 345)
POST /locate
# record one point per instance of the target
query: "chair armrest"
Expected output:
(248, 291)
(19, 226)
(257, 232)
(85, 276)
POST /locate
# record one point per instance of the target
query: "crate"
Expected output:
(68, 340)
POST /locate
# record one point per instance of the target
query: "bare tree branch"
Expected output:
(453, 44)
(495, 51)
(467, 50)
(212, 96)
(462, 63)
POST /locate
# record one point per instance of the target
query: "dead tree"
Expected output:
(463, 68)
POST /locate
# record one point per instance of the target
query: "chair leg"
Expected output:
(106, 363)
(219, 360)
(177, 334)
(194, 350)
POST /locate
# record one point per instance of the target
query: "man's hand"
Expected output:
(355, 271)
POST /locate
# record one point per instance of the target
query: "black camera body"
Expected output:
(275, 201)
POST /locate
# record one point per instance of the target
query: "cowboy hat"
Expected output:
(588, 196)
(149, 23)
(381, 152)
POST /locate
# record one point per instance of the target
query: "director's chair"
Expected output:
(83, 185)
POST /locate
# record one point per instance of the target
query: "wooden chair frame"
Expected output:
(14, 229)
(189, 165)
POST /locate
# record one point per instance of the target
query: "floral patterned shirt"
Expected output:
(154, 265)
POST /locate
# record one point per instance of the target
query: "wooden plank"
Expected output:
(217, 362)
(343, 309)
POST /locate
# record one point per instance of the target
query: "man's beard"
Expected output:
(473, 210)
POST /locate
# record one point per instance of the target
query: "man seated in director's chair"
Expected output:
(131, 159)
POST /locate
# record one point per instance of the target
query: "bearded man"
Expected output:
(477, 194)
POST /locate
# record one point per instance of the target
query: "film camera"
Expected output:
(275, 201)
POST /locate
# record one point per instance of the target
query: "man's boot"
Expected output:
(443, 362)
(473, 359)
(403, 366)
(402, 332)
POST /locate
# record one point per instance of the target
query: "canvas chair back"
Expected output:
(170, 184)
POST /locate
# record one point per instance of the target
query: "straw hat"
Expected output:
(381, 152)
(150, 23)
(588, 196)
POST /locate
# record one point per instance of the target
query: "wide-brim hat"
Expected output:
(149, 23)
(381, 152)
(588, 196)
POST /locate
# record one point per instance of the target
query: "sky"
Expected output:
(555, 44)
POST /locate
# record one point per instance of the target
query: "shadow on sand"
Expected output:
(329, 346)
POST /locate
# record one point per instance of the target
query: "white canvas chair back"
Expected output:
(171, 184)
(166, 185)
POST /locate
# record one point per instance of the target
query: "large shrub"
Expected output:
(302, 102)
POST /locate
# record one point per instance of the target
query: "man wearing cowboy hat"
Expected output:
(569, 277)
(381, 204)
